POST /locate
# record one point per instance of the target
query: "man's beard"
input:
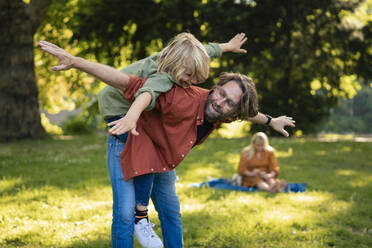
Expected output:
(213, 112)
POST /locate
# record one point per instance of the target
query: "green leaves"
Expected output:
(290, 44)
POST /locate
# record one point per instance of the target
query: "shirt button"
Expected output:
(201, 120)
(173, 165)
(182, 155)
(136, 172)
(163, 169)
(190, 142)
(152, 169)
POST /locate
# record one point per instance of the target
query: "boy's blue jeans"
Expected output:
(163, 195)
(142, 188)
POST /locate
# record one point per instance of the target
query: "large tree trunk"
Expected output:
(19, 107)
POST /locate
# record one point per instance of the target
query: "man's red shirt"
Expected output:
(167, 133)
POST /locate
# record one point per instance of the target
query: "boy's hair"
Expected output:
(248, 106)
(182, 53)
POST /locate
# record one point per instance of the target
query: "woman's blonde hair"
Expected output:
(183, 53)
(259, 138)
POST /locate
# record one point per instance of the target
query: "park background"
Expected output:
(311, 60)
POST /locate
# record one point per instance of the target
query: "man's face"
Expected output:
(223, 101)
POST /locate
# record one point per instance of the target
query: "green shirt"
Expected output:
(111, 101)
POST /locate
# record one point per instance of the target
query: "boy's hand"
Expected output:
(66, 60)
(234, 44)
(123, 125)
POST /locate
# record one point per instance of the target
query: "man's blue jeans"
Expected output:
(163, 195)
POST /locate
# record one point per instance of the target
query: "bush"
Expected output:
(76, 125)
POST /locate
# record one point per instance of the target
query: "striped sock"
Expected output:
(141, 215)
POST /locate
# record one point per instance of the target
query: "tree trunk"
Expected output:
(19, 106)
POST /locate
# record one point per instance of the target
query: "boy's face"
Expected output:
(187, 79)
(223, 102)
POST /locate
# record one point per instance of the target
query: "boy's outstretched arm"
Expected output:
(105, 73)
(234, 45)
(129, 121)
(277, 123)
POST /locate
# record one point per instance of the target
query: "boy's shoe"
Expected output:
(146, 236)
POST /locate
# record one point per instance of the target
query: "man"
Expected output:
(182, 119)
(164, 194)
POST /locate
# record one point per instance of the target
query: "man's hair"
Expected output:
(182, 53)
(248, 106)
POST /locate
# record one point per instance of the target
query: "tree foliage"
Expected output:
(352, 115)
(301, 54)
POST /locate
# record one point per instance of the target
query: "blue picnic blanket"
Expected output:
(223, 183)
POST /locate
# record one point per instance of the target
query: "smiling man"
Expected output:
(183, 118)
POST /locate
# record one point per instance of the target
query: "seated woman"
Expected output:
(258, 165)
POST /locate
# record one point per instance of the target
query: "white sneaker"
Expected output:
(146, 236)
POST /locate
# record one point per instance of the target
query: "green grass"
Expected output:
(56, 193)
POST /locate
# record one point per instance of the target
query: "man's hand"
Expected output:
(234, 44)
(66, 60)
(123, 125)
(280, 122)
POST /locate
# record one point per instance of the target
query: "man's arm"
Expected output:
(277, 123)
(105, 73)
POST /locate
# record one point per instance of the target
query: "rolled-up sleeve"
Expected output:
(155, 85)
(214, 50)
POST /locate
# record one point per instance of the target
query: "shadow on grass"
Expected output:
(20, 241)
(75, 164)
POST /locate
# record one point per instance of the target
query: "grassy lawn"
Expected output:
(56, 193)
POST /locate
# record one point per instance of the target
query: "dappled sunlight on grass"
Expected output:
(285, 215)
(335, 137)
(9, 184)
(312, 198)
(201, 173)
(63, 137)
(236, 129)
(233, 158)
(346, 172)
(300, 140)
(59, 216)
(346, 149)
(320, 153)
(361, 181)
(56, 193)
(284, 154)
(193, 207)
(261, 216)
